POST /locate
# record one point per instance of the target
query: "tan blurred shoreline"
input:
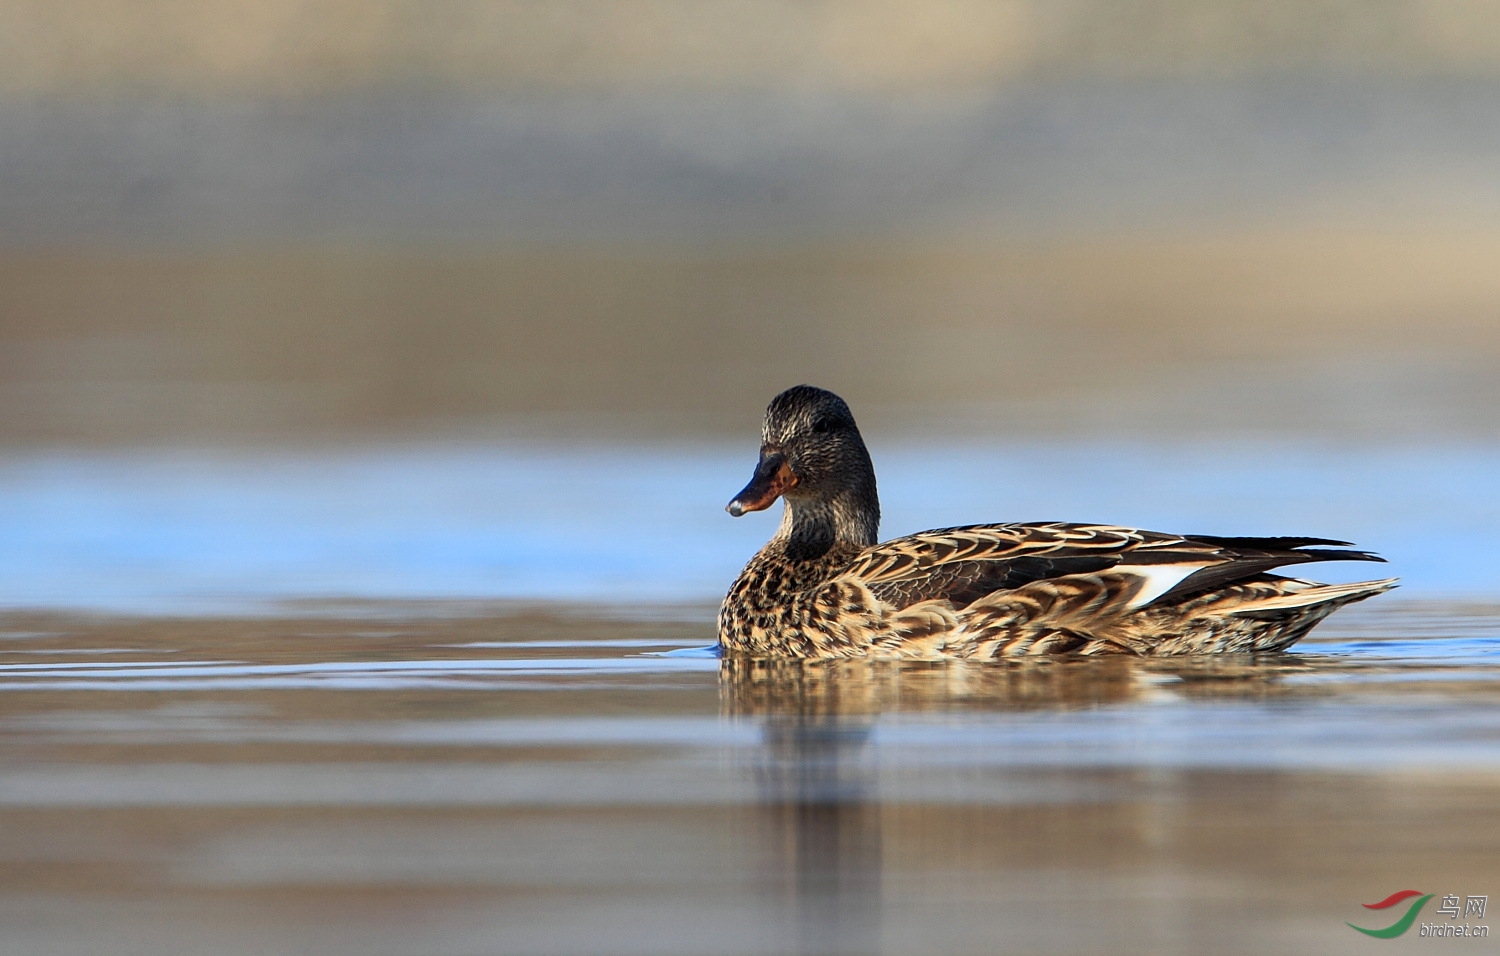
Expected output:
(307, 220)
(105, 48)
(1367, 333)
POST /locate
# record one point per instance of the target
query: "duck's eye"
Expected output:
(822, 426)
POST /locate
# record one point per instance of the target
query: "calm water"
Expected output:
(542, 783)
(437, 700)
(194, 531)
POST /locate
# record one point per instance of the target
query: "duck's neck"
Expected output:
(813, 527)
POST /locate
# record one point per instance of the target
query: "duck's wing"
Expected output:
(962, 565)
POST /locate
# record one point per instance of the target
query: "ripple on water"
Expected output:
(1376, 692)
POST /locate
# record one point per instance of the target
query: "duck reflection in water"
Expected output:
(821, 809)
(819, 806)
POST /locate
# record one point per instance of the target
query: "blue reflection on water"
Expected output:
(192, 531)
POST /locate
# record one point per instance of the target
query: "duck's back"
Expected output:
(989, 591)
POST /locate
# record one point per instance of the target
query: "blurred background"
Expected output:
(374, 373)
(378, 297)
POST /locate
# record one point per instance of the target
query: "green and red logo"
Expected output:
(1404, 923)
(1473, 905)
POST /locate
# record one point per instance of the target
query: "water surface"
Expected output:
(458, 698)
(193, 531)
(471, 779)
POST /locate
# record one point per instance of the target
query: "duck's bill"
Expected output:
(773, 476)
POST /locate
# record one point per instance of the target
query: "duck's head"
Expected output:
(812, 454)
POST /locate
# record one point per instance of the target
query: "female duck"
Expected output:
(823, 588)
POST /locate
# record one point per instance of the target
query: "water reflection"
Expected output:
(848, 691)
(817, 776)
(821, 827)
(817, 805)
(817, 771)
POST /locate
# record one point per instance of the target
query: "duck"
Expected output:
(824, 587)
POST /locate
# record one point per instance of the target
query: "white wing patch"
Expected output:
(1157, 579)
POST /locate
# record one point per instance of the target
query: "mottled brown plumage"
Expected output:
(822, 588)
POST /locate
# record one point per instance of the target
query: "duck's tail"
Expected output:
(1326, 597)
(1269, 614)
(1285, 619)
